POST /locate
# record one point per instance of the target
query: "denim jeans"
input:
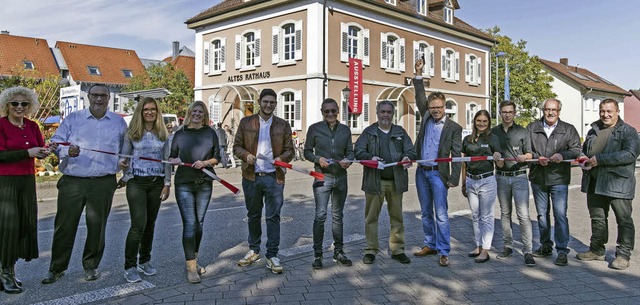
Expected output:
(143, 197)
(598, 212)
(334, 188)
(372, 210)
(515, 191)
(481, 194)
(432, 194)
(556, 196)
(264, 191)
(193, 201)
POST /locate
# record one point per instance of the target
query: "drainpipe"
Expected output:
(325, 80)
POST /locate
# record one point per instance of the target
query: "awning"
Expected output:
(392, 94)
(245, 93)
(154, 93)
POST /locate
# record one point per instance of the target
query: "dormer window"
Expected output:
(448, 12)
(421, 7)
(28, 65)
(392, 2)
(127, 73)
(93, 70)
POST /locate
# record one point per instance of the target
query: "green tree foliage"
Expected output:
(530, 84)
(47, 89)
(168, 77)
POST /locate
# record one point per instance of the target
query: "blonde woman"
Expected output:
(148, 184)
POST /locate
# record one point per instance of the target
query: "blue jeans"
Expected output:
(432, 194)
(544, 197)
(264, 191)
(482, 200)
(336, 189)
(193, 201)
(515, 191)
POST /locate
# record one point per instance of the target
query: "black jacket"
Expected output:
(331, 144)
(563, 140)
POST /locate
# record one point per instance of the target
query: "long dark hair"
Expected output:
(475, 135)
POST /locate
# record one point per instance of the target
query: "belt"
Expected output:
(93, 177)
(262, 174)
(481, 176)
(148, 178)
(511, 173)
(429, 168)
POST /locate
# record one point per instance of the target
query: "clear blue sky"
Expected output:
(599, 35)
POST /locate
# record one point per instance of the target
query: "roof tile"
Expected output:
(14, 50)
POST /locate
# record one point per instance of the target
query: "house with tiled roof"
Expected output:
(632, 108)
(28, 55)
(183, 59)
(307, 50)
(581, 92)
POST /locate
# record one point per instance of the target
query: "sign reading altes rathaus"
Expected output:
(248, 76)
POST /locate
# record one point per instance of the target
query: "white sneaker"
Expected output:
(132, 275)
(274, 264)
(250, 258)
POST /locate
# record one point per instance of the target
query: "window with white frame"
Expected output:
(472, 109)
(473, 68)
(392, 52)
(450, 64)
(248, 50)
(421, 7)
(356, 122)
(393, 2)
(418, 119)
(289, 107)
(422, 50)
(216, 59)
(354, 43)
(451, 110)
(286, 42)
(448, 12)
(215, 110)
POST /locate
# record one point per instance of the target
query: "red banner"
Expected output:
(355, 84)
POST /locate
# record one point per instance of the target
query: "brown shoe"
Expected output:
(425, 251)
(444, 261)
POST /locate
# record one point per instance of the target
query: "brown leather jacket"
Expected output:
(246, 143)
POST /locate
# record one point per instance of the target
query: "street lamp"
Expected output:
(345, 93)
(499, 54)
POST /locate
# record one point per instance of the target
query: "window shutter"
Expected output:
(205, 58)
(402, 55)
(432, 61)
(278, 105)
(365, 110)
(443, 71)
(344, 48)
(416, 55)
(223, 54)
(298, 52)
(275, 55)
(383, 50)
(479, 70)
(297, 110)
(365, 47)
(467, 66)
(345, 111)
(238, 52)
(457, 55)
(257, 49)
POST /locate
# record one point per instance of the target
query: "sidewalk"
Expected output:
(423, 281)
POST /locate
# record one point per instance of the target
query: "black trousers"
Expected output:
(143, 196)
(74, 193)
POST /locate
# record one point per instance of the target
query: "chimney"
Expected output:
(564, 61)
(176, 49)
(4, 32)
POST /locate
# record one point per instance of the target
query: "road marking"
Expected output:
(100, 294)
(309, 248)
(224, 209)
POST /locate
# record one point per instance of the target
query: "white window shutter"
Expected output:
(443, 71)
(416, 55)
(457, 55)
(257, 49)
(479, 70)
(278, 105)
(365, 47)
(238, 52)
(432, 61)
(344, 42)
(365, 110)
(275, 35)
(383, 50)
(298, 52)
(206, 58)
(223, 54)
(467, 66)
(402, 55)
(345, 111)
(297, 110)
(217, 111)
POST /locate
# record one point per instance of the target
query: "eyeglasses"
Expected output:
(551, 110)
(95, 96)
(327, 111)
(16, 104)
(149, 110)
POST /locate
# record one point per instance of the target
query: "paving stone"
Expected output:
(159, 295)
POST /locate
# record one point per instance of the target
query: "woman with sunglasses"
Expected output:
(20, 142)
(148, 184)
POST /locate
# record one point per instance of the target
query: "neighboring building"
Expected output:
(28, 54)
(183, 59)
(301, 50)
(581, 92)
(632, 108)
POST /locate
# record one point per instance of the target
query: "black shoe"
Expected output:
(339, 257)
(8, 281)
(317, 262)
(506, 252)
(543, 251)
(52, 277)
(561, 260)
(402, 258)
(91, 274)
(368, 258)
(528, 260)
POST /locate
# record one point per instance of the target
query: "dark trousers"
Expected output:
(264, 191)
(334, 189)
(143, 197)
(598, 212)
(74, 193)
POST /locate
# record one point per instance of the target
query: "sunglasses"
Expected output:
(16, 104)
(327, 111)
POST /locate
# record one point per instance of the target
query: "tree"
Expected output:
(168, 77)
(530, 85)
(47, 89)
